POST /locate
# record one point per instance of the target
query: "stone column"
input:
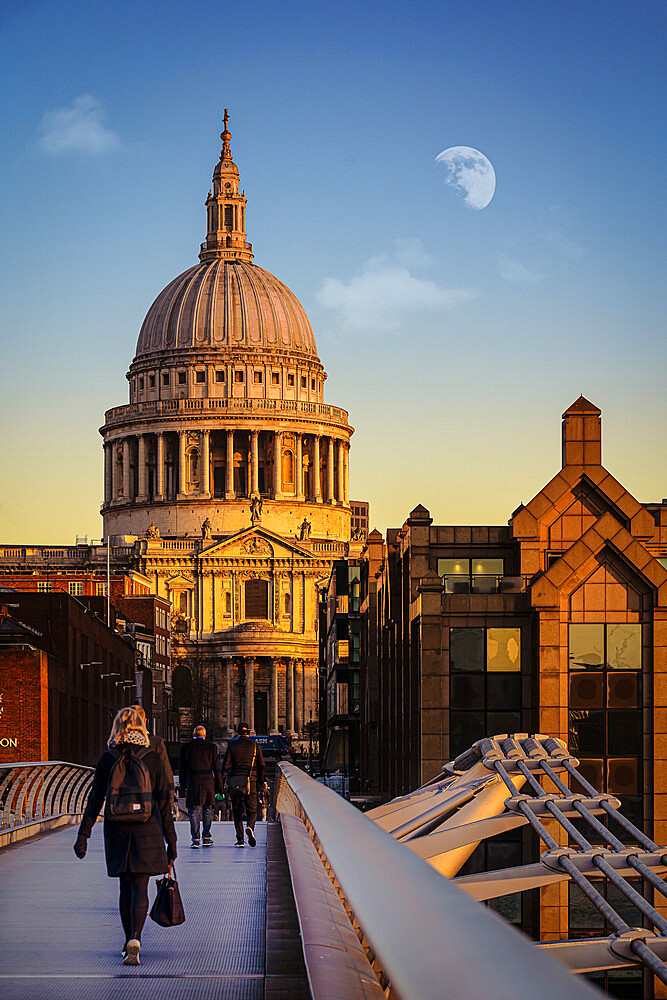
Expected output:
(182, 464)
(115, 485)
(273, 697)
(346, 474)
(277, 464)
(229, 675)
(159, 467)
(250, 692)
(289, 695)
(142, 476)
(229, 495)
(254, 462)
(317, 490)
(298, 696)
(127, 489)
(330, 472)
(341, 466)
(299, 467)
(108, 474)
(205, 463)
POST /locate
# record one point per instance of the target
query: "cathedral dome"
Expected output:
(229, 305)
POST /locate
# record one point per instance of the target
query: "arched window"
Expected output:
(181, 685)
(257, 599)
(287, 604)
(194, 465)
(288, 466)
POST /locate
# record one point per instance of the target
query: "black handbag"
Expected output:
(167, 910)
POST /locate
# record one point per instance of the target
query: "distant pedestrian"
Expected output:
(137, 821)
(158, 744)
(199, 774)
(263, 802)
(243, 767)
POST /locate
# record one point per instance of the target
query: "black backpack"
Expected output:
(130, 789)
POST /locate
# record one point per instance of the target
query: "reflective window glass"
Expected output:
(503, 649)
(466, 729)
(624, 732)
(624, 647)
(488, 567)
(453, 567)
(503, 691)
(586, 646)
(467, 691)
(584, 916)
(466, 649)
(503, 722)
(586, 731)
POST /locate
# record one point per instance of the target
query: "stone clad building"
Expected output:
(554, 623)
(228, 474)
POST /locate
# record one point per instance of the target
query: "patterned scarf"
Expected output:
(131, 736)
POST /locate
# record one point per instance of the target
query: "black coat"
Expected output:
(133, 848)
(199, 773)
(238, 764)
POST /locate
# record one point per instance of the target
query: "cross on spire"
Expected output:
(226, 135)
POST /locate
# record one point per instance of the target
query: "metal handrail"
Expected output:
(33, 791)
(426, 939)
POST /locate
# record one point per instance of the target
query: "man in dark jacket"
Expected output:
(199, 774)
(158, 744)
(243, 767)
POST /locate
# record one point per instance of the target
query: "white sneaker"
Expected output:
(133, 948)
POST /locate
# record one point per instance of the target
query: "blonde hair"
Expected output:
(127, 720)
(140, 710)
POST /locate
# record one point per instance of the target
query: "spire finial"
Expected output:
(226, 135)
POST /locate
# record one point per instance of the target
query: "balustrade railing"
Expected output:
(44, 790)
(156, 407)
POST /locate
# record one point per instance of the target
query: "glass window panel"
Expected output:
(466, 649)
(467, 728)
(453, 567)
(624, 647)
(624, 732)
(631, 807)
(503, 649)
(487, 567)
(503, 691)
(503, 854)
(586, 646)
(508, 907)
(626, 984)
(583, 915)
(586, 732)
(503, 722)
(623, 906)
(467, 691)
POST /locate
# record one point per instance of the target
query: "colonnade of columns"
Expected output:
(295, 695)
(121, 484)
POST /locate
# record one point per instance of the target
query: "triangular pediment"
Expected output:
(178, 580)
(255, 543)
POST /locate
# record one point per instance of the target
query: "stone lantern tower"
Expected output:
(229, 472)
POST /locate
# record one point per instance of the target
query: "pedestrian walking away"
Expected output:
(199, 774)
(138, 821)
(243, 768)
(157, 743)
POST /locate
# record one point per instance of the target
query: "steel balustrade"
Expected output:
(31, 793)
(425, 939)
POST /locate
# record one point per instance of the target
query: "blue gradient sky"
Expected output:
(454, 337)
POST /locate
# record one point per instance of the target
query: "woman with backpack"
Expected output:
(137, 821)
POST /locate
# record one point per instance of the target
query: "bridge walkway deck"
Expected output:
(61, 935)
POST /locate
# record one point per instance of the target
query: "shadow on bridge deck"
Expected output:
(61, 934)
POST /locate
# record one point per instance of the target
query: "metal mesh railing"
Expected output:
(41, 790)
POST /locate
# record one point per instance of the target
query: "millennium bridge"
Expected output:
(333, 903)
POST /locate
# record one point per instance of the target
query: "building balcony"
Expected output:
(458, 584)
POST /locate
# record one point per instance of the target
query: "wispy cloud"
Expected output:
(81, 127)
(514, 271)
(385, 292)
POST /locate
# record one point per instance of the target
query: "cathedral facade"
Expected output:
(227, 475)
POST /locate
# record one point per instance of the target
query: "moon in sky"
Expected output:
(470, 173)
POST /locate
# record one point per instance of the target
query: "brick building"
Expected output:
(53, 708)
